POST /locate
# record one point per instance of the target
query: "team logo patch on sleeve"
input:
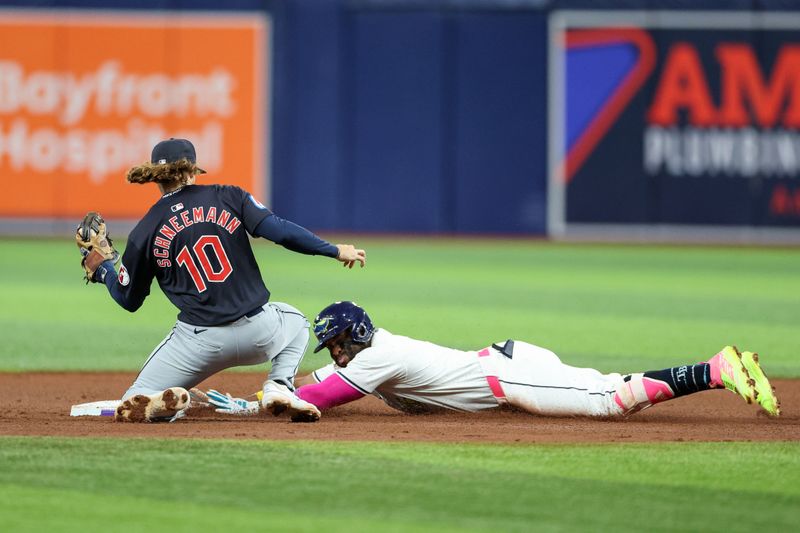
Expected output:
(123, 276)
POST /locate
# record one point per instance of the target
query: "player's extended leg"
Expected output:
(186, 356)
(726, 370)
(160, 390)
(284, 347)
(535, 379)
(150, 407)
(765, 392)
(640, 391)
(286, 361)
(279, 335)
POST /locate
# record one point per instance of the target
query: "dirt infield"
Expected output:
(39, 404)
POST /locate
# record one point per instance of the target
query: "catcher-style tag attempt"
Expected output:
(95, 245)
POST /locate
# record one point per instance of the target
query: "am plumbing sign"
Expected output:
(676, 118)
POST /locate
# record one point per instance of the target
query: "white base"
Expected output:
(101, 408)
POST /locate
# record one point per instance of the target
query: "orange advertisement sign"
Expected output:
(84, 97)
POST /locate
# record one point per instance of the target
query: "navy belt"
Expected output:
(254, 312)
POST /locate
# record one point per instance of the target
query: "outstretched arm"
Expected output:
(293, 237)
(330, 392)
(298, 239)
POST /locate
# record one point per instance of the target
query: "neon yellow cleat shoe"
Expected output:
(765, 393)
(727, 370)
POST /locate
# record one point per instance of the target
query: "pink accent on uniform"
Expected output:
(655, 391)
(619, 402)
(330, 392)
(494, 383)
(718, 364)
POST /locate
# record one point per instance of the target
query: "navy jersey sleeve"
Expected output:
(293, 237)
(261, 222)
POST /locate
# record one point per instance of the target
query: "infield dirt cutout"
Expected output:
(38, 403)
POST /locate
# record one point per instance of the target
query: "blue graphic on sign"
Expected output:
(593, 74)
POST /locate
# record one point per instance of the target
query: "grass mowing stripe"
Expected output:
(598, 305)
(430, 486)
(74, 510)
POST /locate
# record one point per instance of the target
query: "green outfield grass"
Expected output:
(622, 308)
(176, 485)
(615, 308)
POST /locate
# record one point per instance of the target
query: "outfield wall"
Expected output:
(437, 116)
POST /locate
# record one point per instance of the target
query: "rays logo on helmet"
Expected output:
(123, 276)
(321, 325)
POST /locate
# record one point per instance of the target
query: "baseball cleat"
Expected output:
(727, 370)
(765, 392)
(148, 408)
(278, 399)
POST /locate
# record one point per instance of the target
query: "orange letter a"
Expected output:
(683, 85)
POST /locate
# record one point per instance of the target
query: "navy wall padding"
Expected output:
(306, 112)
(395, 169)
(501, 118)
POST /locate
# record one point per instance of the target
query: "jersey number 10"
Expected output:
(201, 250)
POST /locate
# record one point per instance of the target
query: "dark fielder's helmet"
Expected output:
(339, 317)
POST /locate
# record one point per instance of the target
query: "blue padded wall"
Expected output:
(500, 114)
(394, 175)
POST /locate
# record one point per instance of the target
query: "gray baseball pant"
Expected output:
(190, 354)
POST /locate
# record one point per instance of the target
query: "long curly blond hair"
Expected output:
(177, 173)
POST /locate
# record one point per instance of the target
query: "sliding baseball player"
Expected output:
(417, 376)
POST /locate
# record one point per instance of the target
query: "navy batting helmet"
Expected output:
(339, 317)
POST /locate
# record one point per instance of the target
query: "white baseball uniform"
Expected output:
(413, 376)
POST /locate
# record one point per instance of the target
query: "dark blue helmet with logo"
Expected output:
(340, 317)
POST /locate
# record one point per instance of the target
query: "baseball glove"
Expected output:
(94, 244)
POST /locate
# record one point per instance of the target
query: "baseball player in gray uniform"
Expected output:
(417, 376)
